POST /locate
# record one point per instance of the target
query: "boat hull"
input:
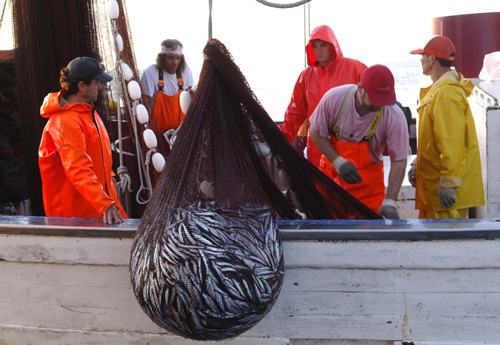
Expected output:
(346, 282)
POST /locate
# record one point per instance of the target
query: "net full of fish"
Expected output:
(210, 273)
(207, 261)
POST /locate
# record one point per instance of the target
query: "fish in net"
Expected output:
(207, 260)
(213, 273)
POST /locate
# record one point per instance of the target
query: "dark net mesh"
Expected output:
(231, 151)
(207, 261)
(49, 34)
(12, 173)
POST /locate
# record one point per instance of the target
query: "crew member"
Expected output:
(327, 68)
(163, 83)
(75, 152)
(352, 126)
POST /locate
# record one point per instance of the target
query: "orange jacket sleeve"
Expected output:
(297, 111)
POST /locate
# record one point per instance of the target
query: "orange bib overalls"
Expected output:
(371, 189)
(167, 109)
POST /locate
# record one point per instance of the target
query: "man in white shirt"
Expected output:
(163, 83)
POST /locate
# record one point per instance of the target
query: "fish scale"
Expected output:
(216, 270)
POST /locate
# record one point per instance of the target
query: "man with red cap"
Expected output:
(447, 171)
(352, 126)
(327, 68)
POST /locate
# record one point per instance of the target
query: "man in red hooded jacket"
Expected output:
(328, 68)
(75, 153)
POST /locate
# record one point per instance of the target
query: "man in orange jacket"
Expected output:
(327, 68)
(75, 152)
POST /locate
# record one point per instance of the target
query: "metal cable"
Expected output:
(290, 5)
(210, 19)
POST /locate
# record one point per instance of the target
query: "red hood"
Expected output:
(325, 33)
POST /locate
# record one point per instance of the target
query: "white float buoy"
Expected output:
(126, 72)
(141, 114)
(113, 9)
(158, 161)
(134, 90)
(149, 138)
(194, 87)
(185, 101)
(119, 43)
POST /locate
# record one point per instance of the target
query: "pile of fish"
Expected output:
(210, 273)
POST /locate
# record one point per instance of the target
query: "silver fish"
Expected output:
(209, 273)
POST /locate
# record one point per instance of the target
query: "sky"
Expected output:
(268, 43)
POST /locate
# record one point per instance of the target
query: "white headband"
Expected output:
(177, 50)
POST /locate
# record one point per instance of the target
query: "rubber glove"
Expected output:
(389, 210)
(447, 197)
(412, 175)
(346, 170)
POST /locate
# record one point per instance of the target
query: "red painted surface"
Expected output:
(473, 35)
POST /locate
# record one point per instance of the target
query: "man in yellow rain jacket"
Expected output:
(447, 171)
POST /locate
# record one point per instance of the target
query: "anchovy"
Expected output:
(207, 265)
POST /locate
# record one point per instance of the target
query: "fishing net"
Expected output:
(231, 151)
(47, 35)
(207, 260)
(12, 173)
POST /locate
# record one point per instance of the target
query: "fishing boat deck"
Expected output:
(421, 282)
(290, 230)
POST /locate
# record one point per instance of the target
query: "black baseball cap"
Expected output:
(83, 67)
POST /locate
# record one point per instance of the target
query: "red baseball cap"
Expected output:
(440, 46)
(378, 82)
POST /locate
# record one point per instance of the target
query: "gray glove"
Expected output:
(412, 175)
(447, 197)
(346, 170)
(389, 210)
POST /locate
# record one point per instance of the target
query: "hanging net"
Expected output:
(12, 173)
(47, 35)
(207, 260)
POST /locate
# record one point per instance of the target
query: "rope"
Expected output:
(149, 187)
(125, 188)
(170, 136)
(125, 184)
(143, 167)
(307, 28)
(290, 5)
(3, 12)
(308, 19)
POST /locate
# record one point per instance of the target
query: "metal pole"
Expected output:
(210, 19)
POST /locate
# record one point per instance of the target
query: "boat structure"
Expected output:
(66, 281)
(346, 282)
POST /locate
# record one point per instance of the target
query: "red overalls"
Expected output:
(167, 109)
(371, 189)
